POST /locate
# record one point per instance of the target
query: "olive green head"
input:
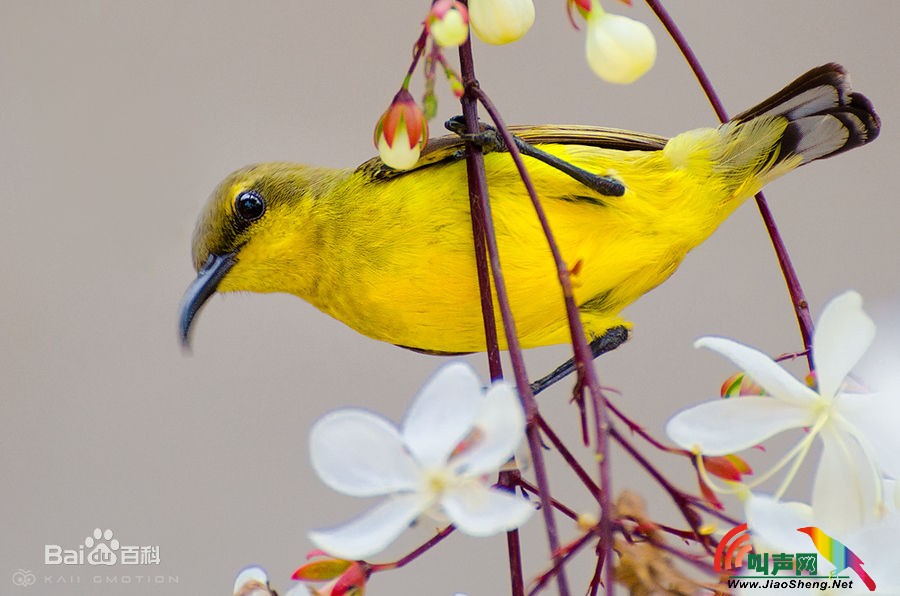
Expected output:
(251, 233)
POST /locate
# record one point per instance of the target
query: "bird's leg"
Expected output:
(490, 140)
(610, 340)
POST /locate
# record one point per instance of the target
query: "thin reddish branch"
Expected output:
(681, 500)
(569, 458)
(478, 193)
(418, 50)
(511, 480)
(414, 554)
(565, 510)
(570, 550)
(639, 430)
(798, 298)
(701, 562)
(582, 352)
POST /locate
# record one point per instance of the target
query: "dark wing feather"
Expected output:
(451, 147)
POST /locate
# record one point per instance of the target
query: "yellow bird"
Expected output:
(390, 253)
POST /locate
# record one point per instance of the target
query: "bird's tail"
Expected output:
(865, 577)
(814, 117)
(823, 116)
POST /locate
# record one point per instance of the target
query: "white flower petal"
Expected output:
(251, 580)
(360, 454)
(478, 510)
(442, 414)
(400, 156)
(843, 334)
(299, 589)
(730, 425)
(843, 490)
(500, 428)
(773, 524)
(876, 545)
(766, 372)
(371, 532)
(618, 49)
(501, 21)
(876, 418)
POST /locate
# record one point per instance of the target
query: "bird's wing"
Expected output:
(452, 148)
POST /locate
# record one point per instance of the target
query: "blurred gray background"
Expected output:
(117, 118)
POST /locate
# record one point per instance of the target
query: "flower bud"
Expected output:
(448, 23)
(344, 578)
(739, 385)
(456, 85)
(252, 581)
(401, 133)
(618, 49)
(582, 6)
(501, 21)
(727, 467)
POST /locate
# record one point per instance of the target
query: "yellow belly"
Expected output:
(414, 282)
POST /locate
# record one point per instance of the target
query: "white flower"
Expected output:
(501, 21)
(252, 581)
(858, 431)
(420, 467)
(774, 524)
(618, 49)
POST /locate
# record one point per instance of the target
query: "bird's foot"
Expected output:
(610, 340)
(490, 140)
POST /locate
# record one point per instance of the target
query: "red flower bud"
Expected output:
(402, 132)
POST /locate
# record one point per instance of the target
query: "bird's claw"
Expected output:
(487, 138)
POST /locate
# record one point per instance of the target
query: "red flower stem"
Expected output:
(638, 430)
(583, 355)
(478, 190)
(798, 298)
(478, 194)
(569, 458)
(683, 534)
(683, 501)
(594, 584)
(415, 554)
(516, 576)
(565, 510)
(510, 480)
(701, 563)
(418, 50)
(558, 562)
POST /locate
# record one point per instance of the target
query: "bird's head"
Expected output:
(252, 234)
(807, 530)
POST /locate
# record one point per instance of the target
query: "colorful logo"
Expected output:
(735, 548)
(837, 554)
(731, 554)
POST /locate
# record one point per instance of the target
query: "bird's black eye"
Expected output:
(249, 205)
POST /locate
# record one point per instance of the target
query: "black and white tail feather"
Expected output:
(824, 116)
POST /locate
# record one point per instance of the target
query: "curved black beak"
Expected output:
(208, 278)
